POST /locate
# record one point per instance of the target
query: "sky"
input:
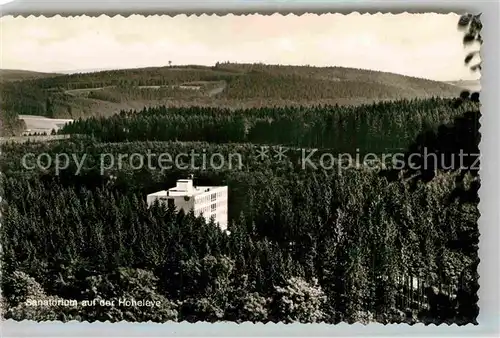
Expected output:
(423, 45)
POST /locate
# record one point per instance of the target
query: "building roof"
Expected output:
(180, 191)
(192, 192)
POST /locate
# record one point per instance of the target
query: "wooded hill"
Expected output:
(224, 85)
(7, 75)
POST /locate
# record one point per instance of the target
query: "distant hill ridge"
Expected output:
(19, 75)
(471, 85)
(231, 85)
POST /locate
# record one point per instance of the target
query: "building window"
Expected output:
(213, 197)
(214, 206)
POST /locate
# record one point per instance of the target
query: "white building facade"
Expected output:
(205, 201)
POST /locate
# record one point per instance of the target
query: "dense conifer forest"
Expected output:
(305, 244)
(376, 128)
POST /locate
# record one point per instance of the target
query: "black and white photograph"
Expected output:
(314, 168)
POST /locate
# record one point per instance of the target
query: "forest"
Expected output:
(375, 128)
(307, 245)
(379, 242)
